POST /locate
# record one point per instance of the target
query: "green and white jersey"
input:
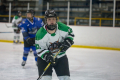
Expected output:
(16, 20)
(43, 39)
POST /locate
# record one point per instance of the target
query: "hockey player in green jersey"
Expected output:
(49, 39)
(16, 20)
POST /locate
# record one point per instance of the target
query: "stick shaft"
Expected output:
(48, 66)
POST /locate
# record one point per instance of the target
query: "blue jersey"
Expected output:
(29, 29)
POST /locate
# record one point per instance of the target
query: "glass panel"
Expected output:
(22, 5)
(117, 23)
(95, 22)
(117, 16)
(18, 5)
(79, 12)
(4, 11)
(61, 9)
(102, 10)
(41, 7)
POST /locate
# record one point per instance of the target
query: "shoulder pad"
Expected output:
(40, 33)
(63, 27)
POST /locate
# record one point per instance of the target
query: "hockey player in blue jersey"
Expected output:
(29, 27)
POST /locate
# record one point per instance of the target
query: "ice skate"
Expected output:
(23, 64)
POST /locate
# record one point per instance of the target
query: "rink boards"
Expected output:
(85, 36)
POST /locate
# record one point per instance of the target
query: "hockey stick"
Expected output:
(7, 26)
(6, 32)
(48, 65)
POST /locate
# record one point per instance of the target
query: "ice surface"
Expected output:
(85, 64)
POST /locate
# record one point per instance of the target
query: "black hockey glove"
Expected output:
(48, 57)
(66, 44)
(30, 41)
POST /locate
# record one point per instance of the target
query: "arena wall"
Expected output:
(108, 37)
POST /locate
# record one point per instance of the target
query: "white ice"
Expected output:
(85, 64)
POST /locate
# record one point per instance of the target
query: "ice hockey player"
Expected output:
(49, 39)
(29, 27)
(16, 20)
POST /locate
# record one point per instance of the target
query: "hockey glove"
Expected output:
(18, 30)
(66, 44)
(30, 41)
(48, 57)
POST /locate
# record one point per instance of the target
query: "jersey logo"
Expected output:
(23, 30)
(20, 24)
(42, 23)
(23, 22)
(54, 47)
(28, 24)
(37, 46)
(38, 19)
(29, 29)
(33, 30)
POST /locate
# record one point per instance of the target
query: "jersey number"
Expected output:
(37, 46)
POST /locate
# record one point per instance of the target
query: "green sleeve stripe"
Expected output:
(61, 53)
(43, 54)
